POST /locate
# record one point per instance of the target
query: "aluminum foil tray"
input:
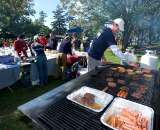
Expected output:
(101, 97)
(118, 104)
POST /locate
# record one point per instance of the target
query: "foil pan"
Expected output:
(119, 103)
(101, 97)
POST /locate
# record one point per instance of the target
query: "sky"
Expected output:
(47, 6)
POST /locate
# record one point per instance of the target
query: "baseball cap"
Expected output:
(120, 23)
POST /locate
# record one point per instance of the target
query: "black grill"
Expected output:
(98, 81)
(66, 115)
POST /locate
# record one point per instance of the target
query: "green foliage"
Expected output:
(24, 26)
(14, 18)
(39, 24)
(46, 30)
(141, 17)
(59, 23)
(41, 20)
(11, 11)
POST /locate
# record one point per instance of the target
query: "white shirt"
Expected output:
(117, 52)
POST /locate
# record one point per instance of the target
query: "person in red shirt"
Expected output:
(42, 39)
(20, 46)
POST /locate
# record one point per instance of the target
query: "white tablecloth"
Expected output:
(9, 74)
(6, 51)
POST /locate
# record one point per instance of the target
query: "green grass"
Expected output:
(10, 117)
(111, 57)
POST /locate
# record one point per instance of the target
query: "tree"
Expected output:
(40, 23)
(89, 14)
(12, 10)
(14, 18)
(46, 30)
(59, 23)
(139, 16)
(42, 15)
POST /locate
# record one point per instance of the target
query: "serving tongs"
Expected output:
(99, 69)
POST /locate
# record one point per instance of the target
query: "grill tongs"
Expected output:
(99, 69)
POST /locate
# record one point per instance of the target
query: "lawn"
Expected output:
(111, 57)
(10, 117)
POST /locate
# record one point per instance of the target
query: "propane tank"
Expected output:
(149, 60)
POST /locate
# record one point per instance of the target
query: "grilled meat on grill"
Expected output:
(112, 84)
(146, 71)
(109, 79)
(121, 81)
(121, 69)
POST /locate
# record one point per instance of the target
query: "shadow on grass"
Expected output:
(10, 118)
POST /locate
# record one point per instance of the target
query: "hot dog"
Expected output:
(128, 119)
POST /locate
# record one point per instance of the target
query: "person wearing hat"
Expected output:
(41, 61)
(105, 40)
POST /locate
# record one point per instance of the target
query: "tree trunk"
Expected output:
(151, 29)
(139, 37)
(126, 37)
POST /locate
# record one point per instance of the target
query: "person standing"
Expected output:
(20, 46)
(105, 40)
(64, 49)
(41, 61)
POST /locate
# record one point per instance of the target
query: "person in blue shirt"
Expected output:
(65, 46)
(41, 61)
(105, 40)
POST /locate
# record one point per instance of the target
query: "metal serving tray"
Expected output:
(101, 97)
(119, 103)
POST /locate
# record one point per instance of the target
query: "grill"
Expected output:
(66, 115)
(98, 81)
(69, 116)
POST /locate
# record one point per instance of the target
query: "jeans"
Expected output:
(42, 69)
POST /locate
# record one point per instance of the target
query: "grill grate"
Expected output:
(65, 115)
(69, 116)
(98, 81)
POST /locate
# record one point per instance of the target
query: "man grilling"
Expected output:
(105, 40)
